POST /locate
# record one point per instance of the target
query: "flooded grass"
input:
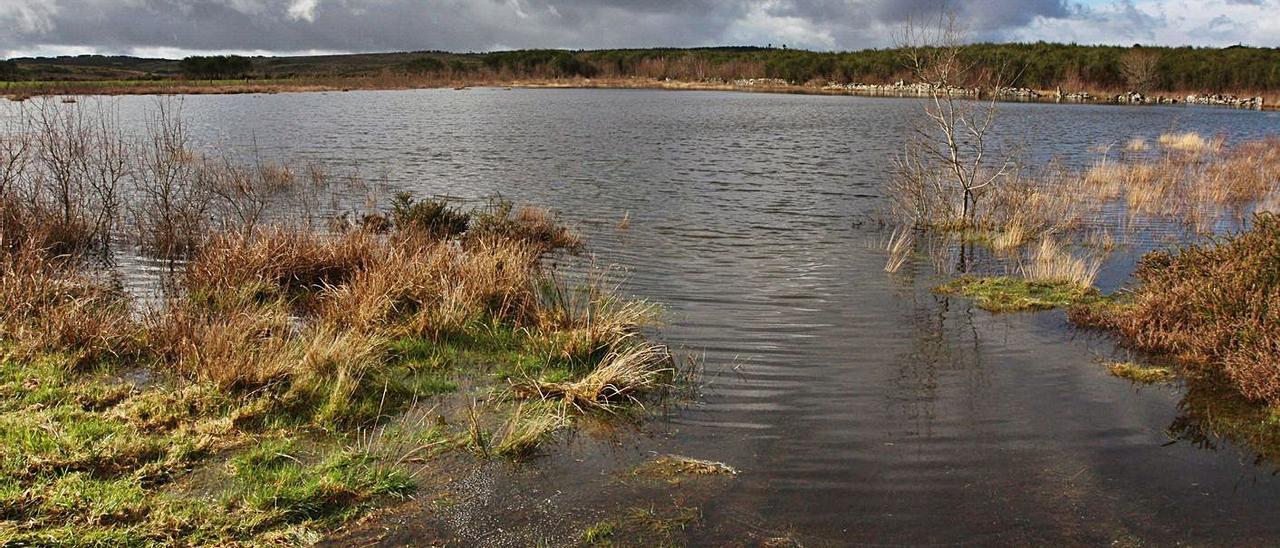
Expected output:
(1213, 415)
(1211, 305)
(599, 533)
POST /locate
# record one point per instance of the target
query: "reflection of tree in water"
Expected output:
(945, 341)
(1212, 415)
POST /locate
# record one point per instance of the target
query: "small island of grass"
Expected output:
(1015, 294)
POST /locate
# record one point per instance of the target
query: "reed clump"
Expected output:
(1197, 183)
(1051, 263)
(1193, 181)
(1216, 305)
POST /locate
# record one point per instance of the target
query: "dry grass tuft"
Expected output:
(622, 377)
(1186, 142)
(47, 304)
(528, 426)
(279, 259)
(900, 247)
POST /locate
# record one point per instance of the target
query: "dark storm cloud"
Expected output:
(131, 26)
(347, 25)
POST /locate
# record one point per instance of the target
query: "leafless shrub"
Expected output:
(1140, 68)
(171, 194)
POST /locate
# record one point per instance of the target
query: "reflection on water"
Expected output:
(1214, 417)
(859, 406)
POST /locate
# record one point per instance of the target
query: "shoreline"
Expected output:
(20, 91)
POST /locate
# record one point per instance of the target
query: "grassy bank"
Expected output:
(395, 81)
(294, 374)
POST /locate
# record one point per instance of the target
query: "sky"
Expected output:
(176, 28)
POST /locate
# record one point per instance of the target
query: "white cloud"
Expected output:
(1171, 23)
(303, 10)
(762, 25)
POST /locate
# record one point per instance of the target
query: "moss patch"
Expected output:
(1011, 294)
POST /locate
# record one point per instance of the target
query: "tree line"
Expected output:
(1036, 65)
(215, 67)
(8, 70)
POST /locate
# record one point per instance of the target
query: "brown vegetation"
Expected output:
(1216, 305)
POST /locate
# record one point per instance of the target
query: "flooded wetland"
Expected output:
(832, 402)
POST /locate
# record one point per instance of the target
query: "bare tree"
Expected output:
(949, 164)
(1140, 68)
(15, 151)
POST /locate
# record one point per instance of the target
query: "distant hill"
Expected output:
(1038, 65)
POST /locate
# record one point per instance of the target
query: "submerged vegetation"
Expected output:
(292, 370)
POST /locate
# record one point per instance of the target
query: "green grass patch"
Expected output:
(1012, 294)
(88, 459)
(282, 483)
(600, 532)
(1140, 373)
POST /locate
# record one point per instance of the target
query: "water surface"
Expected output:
(860, 407)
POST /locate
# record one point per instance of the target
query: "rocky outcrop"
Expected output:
(761, 82)
(898, 89)
(1018, 93)
(1135, 98)
(1220, 100)
(1072, 96)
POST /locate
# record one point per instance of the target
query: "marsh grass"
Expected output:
(1190, 181)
